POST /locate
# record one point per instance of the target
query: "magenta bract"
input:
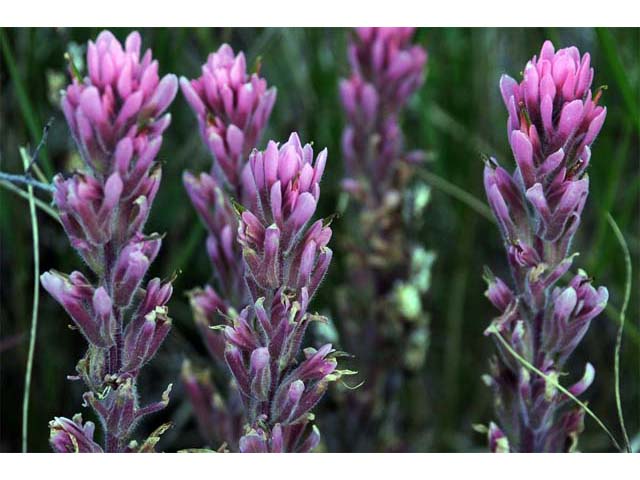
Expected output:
(232, 108)
(116, 115)
(553, 121)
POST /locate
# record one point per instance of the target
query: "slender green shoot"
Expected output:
(493, 330)
(26, 179)
(458, 193)
(26, 160)
(25, 195)
(623, 312)
(631, 331)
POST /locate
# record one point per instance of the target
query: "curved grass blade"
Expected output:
(458, 193)
(493, 330)
(25, 105)
(39, 203)
(623, 312)
(36, 299)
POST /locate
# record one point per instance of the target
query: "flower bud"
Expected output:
(260, 373)
(233, 356)
(132, 265)
(231, 128)
(254, 442)
(76, 295)
(71, 436)
(143, 336)
(121, 96)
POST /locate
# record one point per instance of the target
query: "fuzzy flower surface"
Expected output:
(554, 119)
(285, 260)
(117, 115)
(232, 107)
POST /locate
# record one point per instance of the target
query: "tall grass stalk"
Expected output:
(26, 161)
(623, 312)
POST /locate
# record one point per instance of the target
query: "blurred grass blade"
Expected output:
(458, 193)
(25, 105)
(630, 329)
(39, 203)
(608, 44)
(623, 312)
(449, 125)
(36, 298)
(611, 185)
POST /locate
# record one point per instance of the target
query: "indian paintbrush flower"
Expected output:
(286, 188)
(285, 261)
(387, 267)
(232, 107)
(216, 212)
(553, 120)
(386, 71)
(116, 115)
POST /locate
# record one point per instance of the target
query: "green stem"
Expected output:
(623, 312)
(34, 312)
(26, 180)
(630, 329)
(456, 192)
(39, 203)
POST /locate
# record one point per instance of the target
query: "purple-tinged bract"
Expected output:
(72, 436)
(285, 261)
(553, 120)
(117, 115)
(232, 107)
(278, 248)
